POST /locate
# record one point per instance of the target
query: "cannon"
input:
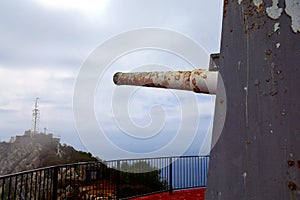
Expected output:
(198, 81)
(257, 152)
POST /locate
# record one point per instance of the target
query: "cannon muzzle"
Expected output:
(199, 80)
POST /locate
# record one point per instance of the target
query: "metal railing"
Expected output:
(117, 179)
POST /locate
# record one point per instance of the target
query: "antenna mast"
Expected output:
(35, 118)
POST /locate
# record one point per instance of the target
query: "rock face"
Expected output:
(20, 159)
(30, 152)
(24, 153)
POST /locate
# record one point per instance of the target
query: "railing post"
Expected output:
(171, 176)
(54, 183)
(118, 180)
(9, 187)
(3, 189)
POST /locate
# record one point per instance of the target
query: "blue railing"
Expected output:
(116, 179)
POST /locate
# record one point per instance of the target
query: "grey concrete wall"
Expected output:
(257, 155)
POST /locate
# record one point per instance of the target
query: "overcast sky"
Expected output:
(44, 45)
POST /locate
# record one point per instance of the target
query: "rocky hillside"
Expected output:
(40, 150)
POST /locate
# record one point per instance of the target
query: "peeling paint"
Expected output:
(276, 26)
(258, 4)
(293, 10)
(277, 45)
(245, 181)
(199, 81)
(219, 194)
(239, 65)
(274, 11)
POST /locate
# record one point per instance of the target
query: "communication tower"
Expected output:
(35, 118)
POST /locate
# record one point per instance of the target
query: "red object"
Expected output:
(194, 194)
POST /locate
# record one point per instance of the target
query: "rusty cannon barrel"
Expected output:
(199, 80)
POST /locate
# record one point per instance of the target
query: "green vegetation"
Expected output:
(50, 156)
(144, 179)
(135, 178)
(43, 150)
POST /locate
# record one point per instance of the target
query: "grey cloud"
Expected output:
(34, 37)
